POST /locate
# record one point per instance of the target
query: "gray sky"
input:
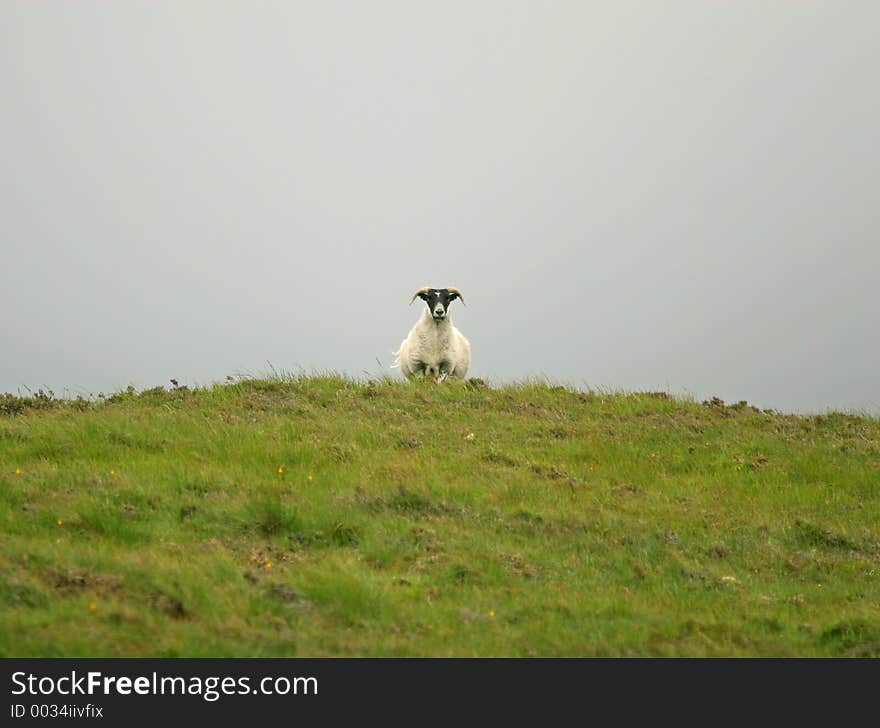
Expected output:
(639, 195)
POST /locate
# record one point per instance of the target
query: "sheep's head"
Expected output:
(438, 300)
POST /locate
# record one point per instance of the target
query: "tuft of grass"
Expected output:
(814, 536)
(271, 516)
(321, 515)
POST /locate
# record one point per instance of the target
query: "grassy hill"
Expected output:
(322, 516)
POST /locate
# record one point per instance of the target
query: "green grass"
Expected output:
(433, 520)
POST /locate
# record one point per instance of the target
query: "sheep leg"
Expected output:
(420, 370)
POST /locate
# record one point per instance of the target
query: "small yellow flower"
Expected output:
(112, 472)
(93, 606)
(491, 612)
(60, 522)
(268, 564)
(310, 477)
(280, 470)
(18, 471)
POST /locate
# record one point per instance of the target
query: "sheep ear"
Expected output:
(455, 293)
(421, 293)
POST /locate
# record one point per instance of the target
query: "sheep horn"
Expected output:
(419, 292)
(453, 289)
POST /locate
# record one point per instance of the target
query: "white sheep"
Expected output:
(434, 347)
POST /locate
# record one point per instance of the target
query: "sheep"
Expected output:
(434, 347)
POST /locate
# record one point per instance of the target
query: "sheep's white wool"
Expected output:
(435, 349)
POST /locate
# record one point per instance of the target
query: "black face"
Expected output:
(438, 300)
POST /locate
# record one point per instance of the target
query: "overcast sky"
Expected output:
(677, 195)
